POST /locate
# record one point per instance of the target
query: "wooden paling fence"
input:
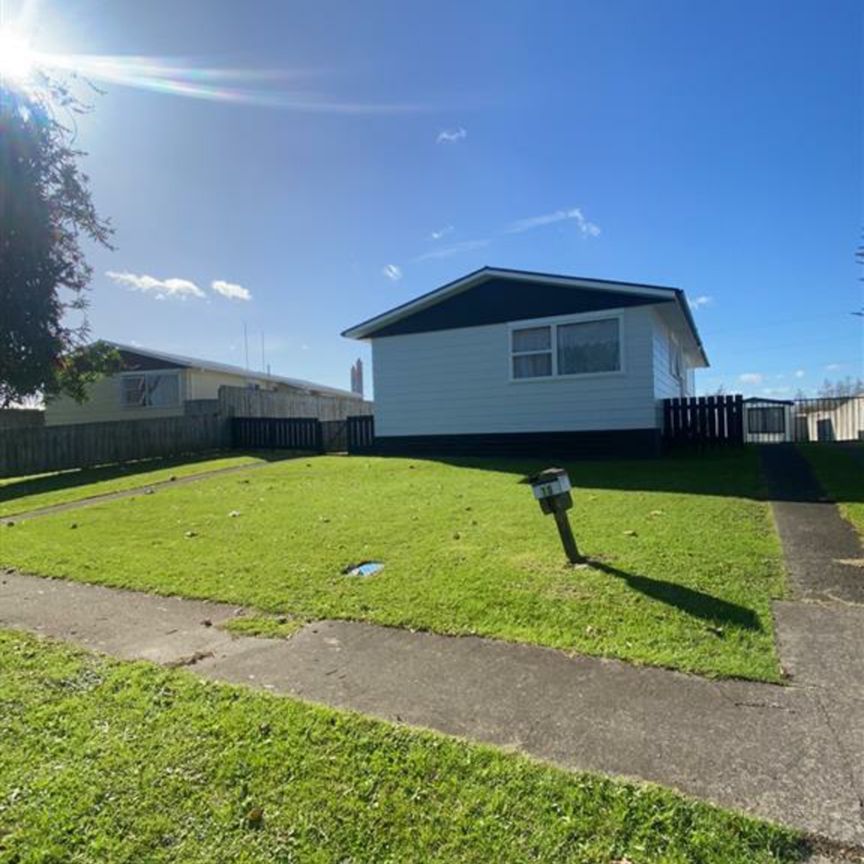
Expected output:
(242, 402)
(704, 419)
(83, 445)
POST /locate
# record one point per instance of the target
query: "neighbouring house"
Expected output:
(834, 418)
(507, 361)
(155, 384)
(831, 418)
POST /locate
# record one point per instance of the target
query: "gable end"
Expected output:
(499, 300)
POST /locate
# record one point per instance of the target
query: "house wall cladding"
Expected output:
(80, 445)
(457, 382)
(103, 404)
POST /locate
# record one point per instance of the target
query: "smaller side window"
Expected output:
(531, 350)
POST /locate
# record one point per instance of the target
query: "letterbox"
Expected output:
(552, 489)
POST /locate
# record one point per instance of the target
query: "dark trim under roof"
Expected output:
(494, 295)
(769, 401)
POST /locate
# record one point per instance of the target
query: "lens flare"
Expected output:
(17, 59)
(23, 67)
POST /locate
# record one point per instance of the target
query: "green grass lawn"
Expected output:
(121, 762)
(688, 559)
(19, 494)
(840, 471)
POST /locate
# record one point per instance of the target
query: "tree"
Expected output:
(45, 212)
(843, 389)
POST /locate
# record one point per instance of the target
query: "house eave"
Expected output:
(367, 329)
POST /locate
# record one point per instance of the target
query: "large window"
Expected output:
(766, 419)
(577, 348)
(150, 390)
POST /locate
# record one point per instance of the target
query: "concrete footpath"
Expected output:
(791, 754)
(822, 550)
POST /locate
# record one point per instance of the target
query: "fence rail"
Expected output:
(277, 433)
(83, 445)
(704, 419)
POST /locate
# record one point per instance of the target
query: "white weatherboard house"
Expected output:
(510, 362)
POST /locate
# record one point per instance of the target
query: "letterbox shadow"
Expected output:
(689, 600)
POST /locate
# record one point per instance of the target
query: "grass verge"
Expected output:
(121, 762)
(687, 559)
(840, 471)
(268, 626)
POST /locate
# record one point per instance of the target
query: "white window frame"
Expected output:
(554, 323)
(676, 360)
(145, 373)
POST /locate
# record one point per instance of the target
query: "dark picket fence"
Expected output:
(277, 433)
(704, 420)
(361, 434)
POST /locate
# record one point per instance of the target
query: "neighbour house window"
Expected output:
(150, 390)
(766, 419)
(580, 348)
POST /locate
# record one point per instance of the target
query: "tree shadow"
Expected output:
(19, 488)
(689, 600)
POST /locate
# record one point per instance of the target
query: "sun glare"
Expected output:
(16, 57)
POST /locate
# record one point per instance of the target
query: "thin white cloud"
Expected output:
(800, 373)
(751, 378)
(453, 249)
(230, 290)
(834, 367)
(587, 229)
(160, 288)
(393, 272)
(700, 301)
(451, 135)
(441, 232)
(775, 391)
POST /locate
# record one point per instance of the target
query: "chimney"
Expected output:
(357, 378)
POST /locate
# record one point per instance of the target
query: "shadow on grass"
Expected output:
(10, 490)
(727, 472)
(731, 473)
(693, 602)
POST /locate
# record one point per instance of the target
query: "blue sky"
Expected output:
(715, 147)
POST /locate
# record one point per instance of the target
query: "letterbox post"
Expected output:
(552, 490)
(568, 541)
